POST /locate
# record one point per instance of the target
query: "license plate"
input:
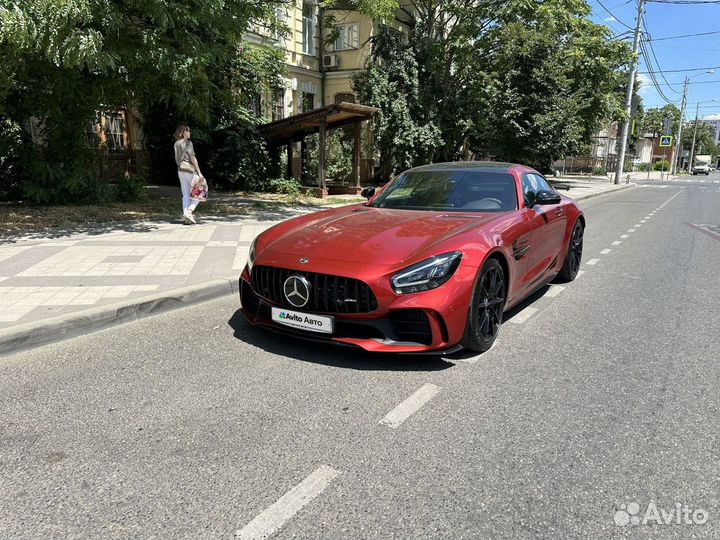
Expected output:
(303, 321)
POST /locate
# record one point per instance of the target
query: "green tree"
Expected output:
(61, 61)
(704, 138)
(338, 156)
(404, 135)
(548, 79)
(519, 80)
(375, 9)
(652, 120)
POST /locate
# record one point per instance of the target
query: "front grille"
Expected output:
(411, 325)
(328, 294)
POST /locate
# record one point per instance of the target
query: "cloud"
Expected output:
(609, 19)
(645, 84)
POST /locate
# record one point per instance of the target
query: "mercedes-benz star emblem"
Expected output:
(304, 260)
(297, 290)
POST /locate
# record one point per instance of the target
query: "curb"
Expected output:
(601, 193)
(44, 332)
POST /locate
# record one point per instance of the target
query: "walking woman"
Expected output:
(188, 170)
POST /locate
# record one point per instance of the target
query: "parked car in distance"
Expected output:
(429, 264)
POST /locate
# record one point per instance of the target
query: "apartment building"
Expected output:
(318, 73)
(713, 121)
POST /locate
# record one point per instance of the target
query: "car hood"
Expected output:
(375, 235)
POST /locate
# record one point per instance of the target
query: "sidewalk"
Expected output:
(67, 283)
(587, 187)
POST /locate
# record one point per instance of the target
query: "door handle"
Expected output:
(558, 211)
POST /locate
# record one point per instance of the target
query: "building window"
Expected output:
(308, 44)
(308, 101)
(255, 105)
(348, 37)
(278, 112)
(92, 134)
(107, 130)
(347, 98)
(115, 132)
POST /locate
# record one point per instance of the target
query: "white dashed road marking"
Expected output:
(592, 262)
(624, 236)
(524, 315)
(554, 291)
(580, 273)
(616, 243)
(272, 519)
(605, 251)
(403, 411)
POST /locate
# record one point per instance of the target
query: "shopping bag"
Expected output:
(199, 191)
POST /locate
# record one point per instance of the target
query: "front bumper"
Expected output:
(431, 321)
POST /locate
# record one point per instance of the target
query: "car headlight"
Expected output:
(426, 275)
(251, 254)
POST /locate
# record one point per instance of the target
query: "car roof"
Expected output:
(480, 166)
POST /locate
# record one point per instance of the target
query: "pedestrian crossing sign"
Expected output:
(666, 141)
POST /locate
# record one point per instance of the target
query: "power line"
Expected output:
(674, 47)
(686, 35)
(685, 2)
(652, 51)
(682, 70)
(696, 82)
(653, 78)
(613, 15)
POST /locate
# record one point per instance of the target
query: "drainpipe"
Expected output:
(321, 50)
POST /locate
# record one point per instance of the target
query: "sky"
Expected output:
(664, 19)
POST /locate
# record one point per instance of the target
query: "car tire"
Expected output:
(573, 256)
(486, 311)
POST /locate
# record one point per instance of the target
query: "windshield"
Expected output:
(450, 191)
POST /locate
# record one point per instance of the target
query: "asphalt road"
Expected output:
(599, 405)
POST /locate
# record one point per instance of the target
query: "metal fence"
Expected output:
(594, 165)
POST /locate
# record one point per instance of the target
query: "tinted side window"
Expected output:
(542, 184)
(532, 184)
(530, 188)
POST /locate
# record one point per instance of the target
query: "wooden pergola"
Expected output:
(295, 128)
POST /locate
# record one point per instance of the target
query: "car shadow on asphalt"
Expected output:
(330, 354)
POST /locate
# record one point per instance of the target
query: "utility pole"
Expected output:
(692, 148)
(678, 142)
(628, 95)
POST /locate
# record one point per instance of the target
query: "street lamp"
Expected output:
(692, 148)
(678, 143)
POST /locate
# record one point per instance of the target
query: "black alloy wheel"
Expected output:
(487, 308)
(574, 253)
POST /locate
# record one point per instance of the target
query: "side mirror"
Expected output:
(368, 192)
(547, 197)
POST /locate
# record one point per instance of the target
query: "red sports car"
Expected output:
(428, 264)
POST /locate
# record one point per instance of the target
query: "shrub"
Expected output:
(237, 159)
(338, 157)
(71, 182)
(130, 188)
(285, 186)
(599, 171)
(662, 166)
(11, 141)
